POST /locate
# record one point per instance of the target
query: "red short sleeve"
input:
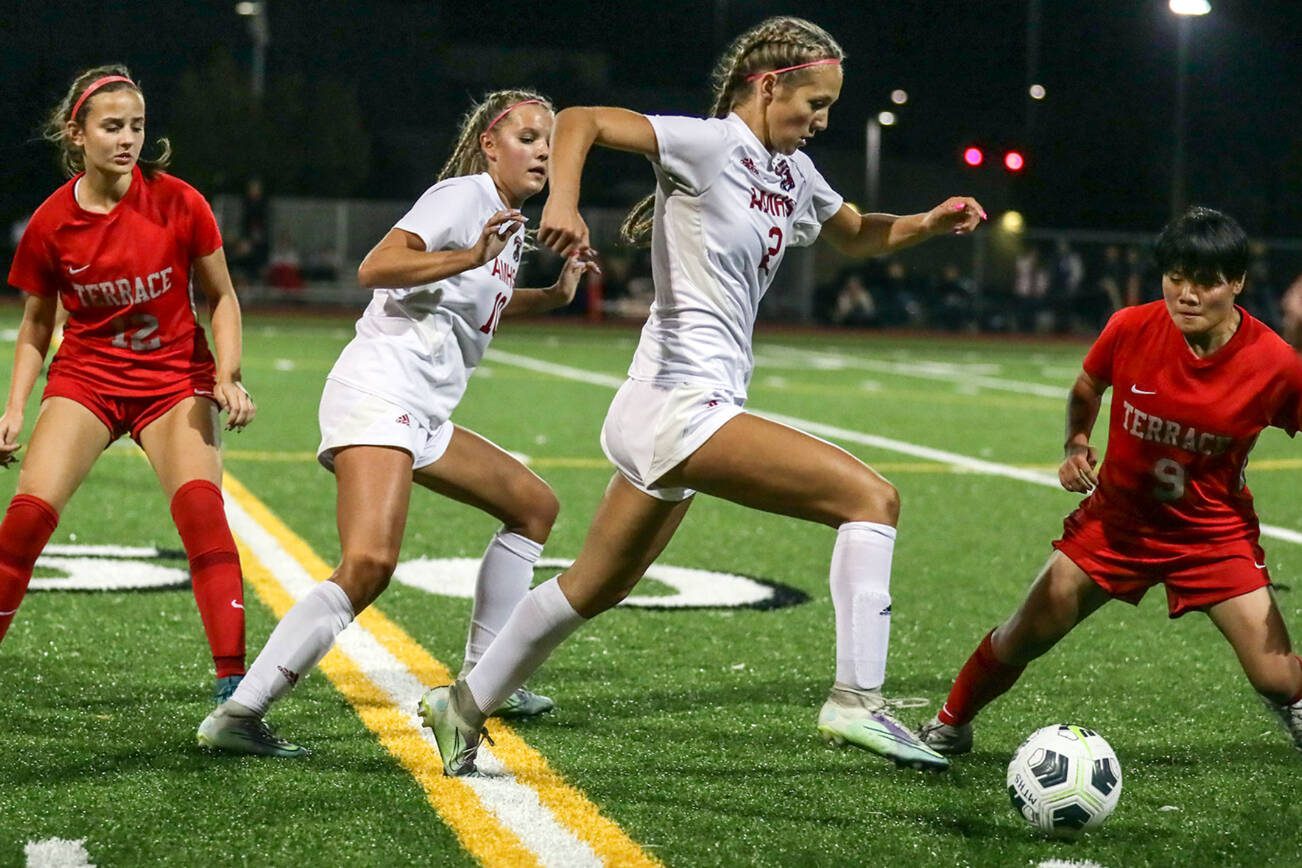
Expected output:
(1289, 415)
(205, 237)
(1098, 361)
(32, 270)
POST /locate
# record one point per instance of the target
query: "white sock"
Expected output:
(297, 644)
(539, 623)
(505, 574)
(861, 595)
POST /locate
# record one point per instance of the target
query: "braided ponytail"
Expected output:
(467, 156)
(774, 43)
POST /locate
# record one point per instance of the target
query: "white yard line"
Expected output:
(516, 805)
(57, 853)
(954, 459)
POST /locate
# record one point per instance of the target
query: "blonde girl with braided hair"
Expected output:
(443, 278)
(733, 192)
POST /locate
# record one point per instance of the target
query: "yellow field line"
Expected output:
(481, 834)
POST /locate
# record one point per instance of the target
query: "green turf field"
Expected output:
(692, 730)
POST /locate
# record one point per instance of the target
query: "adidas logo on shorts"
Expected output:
(404, 419)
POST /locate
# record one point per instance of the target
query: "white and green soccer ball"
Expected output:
(1064, 779)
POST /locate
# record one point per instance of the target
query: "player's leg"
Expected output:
(183, 445)
(1061, 597)
(628, 532)
(374, 487)
(768, 466)
(475, 471)
(63, 447)
(1255, 629)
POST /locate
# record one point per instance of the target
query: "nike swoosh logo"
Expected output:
(72, 270)
(6, 614)
(1259, 566)
(235, 604)
(1139, 391)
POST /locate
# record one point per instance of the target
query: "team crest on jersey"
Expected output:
(518, 249)
(784, 172)
(749, 165)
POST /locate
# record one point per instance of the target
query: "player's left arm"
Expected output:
(559, 294)
(865, 235)
(214, 280)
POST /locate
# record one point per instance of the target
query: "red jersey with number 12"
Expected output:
(124, 278)
(1182, 426)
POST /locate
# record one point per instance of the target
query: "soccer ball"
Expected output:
(1064, 779)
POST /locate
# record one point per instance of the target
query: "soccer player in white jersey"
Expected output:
(443, 277)
(734, 191)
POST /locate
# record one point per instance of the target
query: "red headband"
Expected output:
(94, 86)
(503, 112)
(824, 62)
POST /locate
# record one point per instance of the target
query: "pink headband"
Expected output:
(94, 86)
(503, 112)
(824, 62)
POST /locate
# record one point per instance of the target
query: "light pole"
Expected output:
(873, 150)
(1184, 10)
(260, 31)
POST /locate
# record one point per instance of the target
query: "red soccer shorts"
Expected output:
(1196, 575)
(124, 414)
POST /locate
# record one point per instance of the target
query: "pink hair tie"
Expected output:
(824, 62)
(504, 111)
(94, 86)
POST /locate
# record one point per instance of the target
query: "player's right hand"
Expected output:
(11, 425)
(496, 232)
(564, 231)
(1077, 470)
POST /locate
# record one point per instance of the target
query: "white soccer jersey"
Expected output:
(726, 210)
(417, 346)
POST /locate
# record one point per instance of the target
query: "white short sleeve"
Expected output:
(693, 151)
(822, 204)
(439, 216)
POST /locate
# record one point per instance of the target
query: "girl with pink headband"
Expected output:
(443, 278)
(119, 244)
(734, 191)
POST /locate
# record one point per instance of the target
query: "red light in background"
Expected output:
(1014, 161)
(973, 156)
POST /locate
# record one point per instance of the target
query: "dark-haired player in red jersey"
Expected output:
(1196, 379)
(119, 244)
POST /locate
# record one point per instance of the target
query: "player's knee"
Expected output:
(875, 500)
(537, 512)
(367, 571)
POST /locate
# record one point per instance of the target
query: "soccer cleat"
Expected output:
(1290, 716)
(457, 738)
(226, 729)
(224, 689)
(944, 738)
(863, 718)
(524, 703)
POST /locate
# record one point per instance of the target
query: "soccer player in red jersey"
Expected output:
(118, 244)
(1196, 379)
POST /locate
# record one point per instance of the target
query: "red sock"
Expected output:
(214, 571)
(982, 679)
(26, 529)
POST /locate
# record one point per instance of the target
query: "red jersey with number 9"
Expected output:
(1182, 426)
(124, 278)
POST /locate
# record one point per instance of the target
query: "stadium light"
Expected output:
(1190, 7)
(1037, 91)
(973, 156)
(1012, 222)
(1185, 10)
(1014, 161)
(246, 8)
(886, 119)
(899, 96)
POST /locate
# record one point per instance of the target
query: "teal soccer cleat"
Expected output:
(224, 689)
(445, 711)
(524, 703)
(944, 738)
(862, 718)
(232, 728)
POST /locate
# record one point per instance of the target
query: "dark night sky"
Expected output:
(1100, 147)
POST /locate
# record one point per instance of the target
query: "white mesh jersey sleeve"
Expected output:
(817, 206)
(693, 151)
(439, 216)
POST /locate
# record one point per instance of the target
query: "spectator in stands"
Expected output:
(1030, 289)
(1066, 276)
(854, 304)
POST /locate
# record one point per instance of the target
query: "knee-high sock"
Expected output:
(982, 679)
(297, 644)
(215, 572)
(505, 574)
(861, 596)
(27, 526)
(539, 623)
